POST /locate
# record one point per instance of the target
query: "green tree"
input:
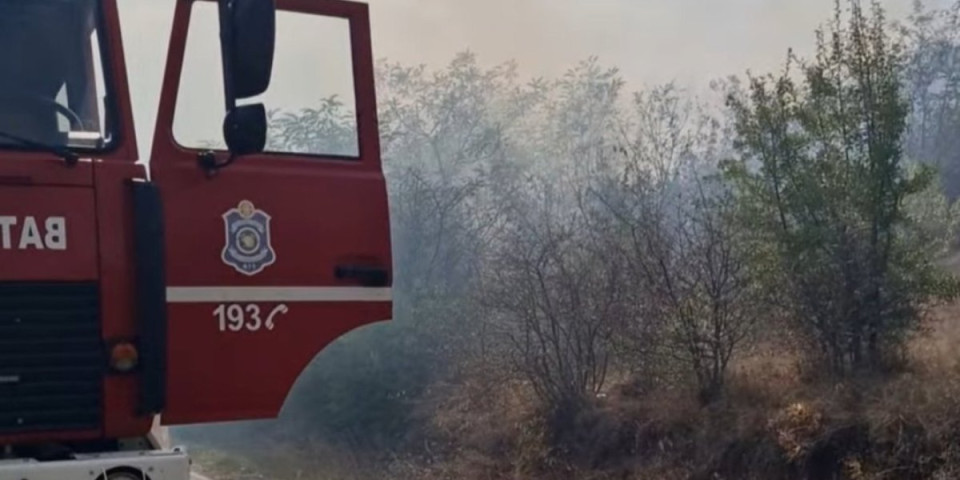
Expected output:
(821, 180)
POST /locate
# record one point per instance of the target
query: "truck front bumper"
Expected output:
(171, 464)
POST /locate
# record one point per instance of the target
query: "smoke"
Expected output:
(651, 41)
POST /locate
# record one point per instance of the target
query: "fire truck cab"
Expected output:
(196, 285)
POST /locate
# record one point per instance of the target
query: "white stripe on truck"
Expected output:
(277, 294)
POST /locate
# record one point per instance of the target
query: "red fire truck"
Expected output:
(191, 288)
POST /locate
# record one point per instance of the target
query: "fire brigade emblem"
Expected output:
(247, 247)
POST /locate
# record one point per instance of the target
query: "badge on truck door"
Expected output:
(247, 245)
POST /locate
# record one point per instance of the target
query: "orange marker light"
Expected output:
(124, 357)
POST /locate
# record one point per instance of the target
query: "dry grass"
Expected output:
(481, 428)
(311, 461)
(779, 419)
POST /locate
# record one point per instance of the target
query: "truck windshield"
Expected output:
(52, 88)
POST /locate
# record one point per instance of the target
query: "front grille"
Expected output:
(51, 358)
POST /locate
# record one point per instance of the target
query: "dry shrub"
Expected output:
(934, 350)
(766, 377)
(648, 431)
(486, 428)
(930, 387)
(797, 428)
(914, 416)
(479, 427)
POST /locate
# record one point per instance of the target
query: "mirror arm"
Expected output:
(208, 162)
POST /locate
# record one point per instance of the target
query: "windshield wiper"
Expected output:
(69, 157)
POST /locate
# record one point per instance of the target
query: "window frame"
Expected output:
(291, 7)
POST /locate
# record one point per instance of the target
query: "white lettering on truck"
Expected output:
(25, 233)
(56, 237)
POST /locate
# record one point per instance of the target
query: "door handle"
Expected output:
(367, 276)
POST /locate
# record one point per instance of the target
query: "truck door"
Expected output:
(270, 255)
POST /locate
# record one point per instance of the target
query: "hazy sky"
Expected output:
(651, 41)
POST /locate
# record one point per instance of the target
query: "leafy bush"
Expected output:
(822, 183)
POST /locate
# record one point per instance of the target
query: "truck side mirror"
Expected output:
(249, 47)
(247, 42)
(245, 129)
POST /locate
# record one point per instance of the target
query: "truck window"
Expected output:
(311, 103)
(52, 85)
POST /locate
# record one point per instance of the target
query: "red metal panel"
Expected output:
(36, 168)
(247, 375)
(22, 259)
(117, 262)
(317, 220)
